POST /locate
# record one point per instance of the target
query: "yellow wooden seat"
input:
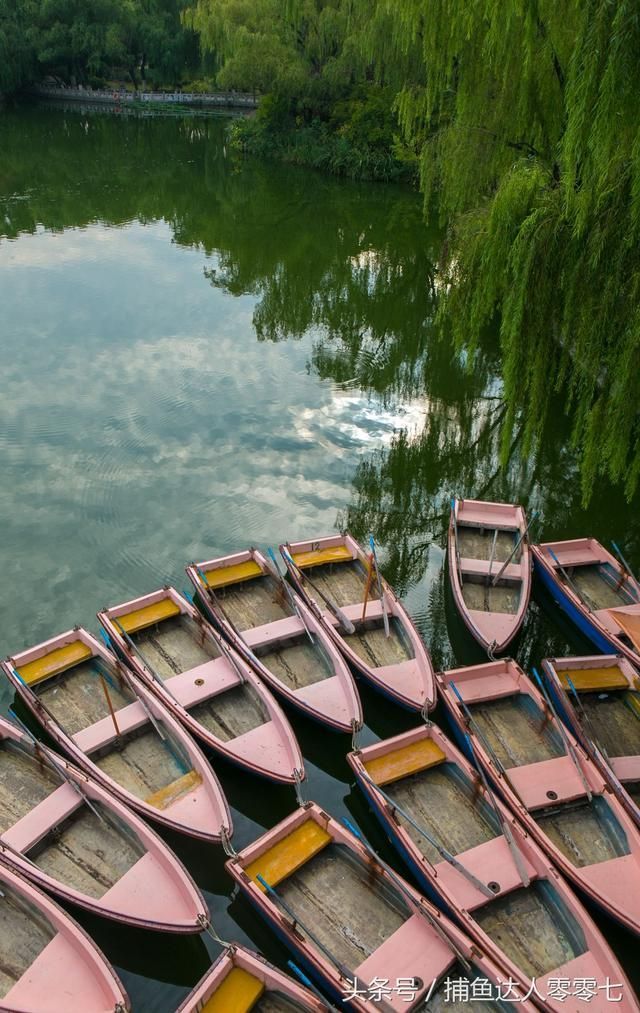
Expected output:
(289, 854)
(319, 557)
(238, 992)
(131, 622)
(405, 761)
(170, 793)
(55, 662)
(591, 680)
(630, 623)
(223, 576)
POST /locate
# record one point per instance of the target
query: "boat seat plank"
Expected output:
(480, 568)
(131, 622)
(403, 762)
(271, 633)
(54, 662)
(237, 993)
(235, 573)
(587, 680)
(290, 853)
(318, 557)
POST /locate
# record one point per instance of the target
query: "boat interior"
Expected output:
(585, 832)
(492, 545)
(600, 585)
(174, 645)
(607, 707)
(252, 601)
(24, 933)
(533, 926)
(517, 730)
(84, 852)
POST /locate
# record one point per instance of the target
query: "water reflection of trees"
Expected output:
(350, 264)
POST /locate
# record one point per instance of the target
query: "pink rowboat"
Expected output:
(398, 665)
(243, 598)
(350, 921)
(489, 569)
(62, 830)
(113, 727)
(48, 963)
(204, 682)
(599, 697)
(241, 980)
(595, 591)
(419, 784)
(549, 782)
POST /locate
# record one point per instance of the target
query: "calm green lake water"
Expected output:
(199, 354)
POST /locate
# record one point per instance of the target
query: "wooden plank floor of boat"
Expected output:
(437, 801)
(297, 663)
(24, 783)
(584, 833)
(254, 602)
(617, 725)
(336, 896)
(514, 731)
(142, 764)
(526, 925)
(76, 698)
(374, 647)
(344, 583)
(501, 597)
(24, 933)
(476, 543)
(599, 592)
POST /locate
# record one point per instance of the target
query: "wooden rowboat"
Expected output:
(241, 980)
(595, 592)
(385, 648)
(205, 683)
(449, 829)
(489, 569)
(599, 698)
(549, 782)
(113, 727)
(64, 832)
(350, 921)
(270, 625)
(47, 962)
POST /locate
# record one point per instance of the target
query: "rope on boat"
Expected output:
(424, 714)
(491, 648)
(225, 840)
(207, 927)
(297, 779)
(356, 728)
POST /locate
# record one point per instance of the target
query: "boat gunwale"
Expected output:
(271, 705)
(83, 760)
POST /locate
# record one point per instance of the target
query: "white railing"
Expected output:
(115, 96)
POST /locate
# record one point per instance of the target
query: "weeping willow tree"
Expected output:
(527, 117)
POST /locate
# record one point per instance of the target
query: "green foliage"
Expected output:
(527, 119)
(16, 57)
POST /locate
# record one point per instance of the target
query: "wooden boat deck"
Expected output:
(439, 800)
(174, 646)
(517, 731)
(232, 713)
(375, 649)
(599, 589)
(297, 662)
(615, 720)
(349, 912)
(24, 933)
(254, 602)
(141, 763)
(87, 854)
(586, 833)
(480, 597)
(275, 1002)
(476, 543)
(344, 583)
(533, 929)
(76, 698)
(23, 784)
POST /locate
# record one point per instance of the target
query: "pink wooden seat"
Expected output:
(484, 514)
(626, 768)
(490, 861)
(490, 686)
(480, 568)
(129, 718)
(270, 633)
(47, 814)
(534, 781)
(197, 684)
(414, 951)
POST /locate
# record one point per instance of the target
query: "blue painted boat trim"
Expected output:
(604, 644)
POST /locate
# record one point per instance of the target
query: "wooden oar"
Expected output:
(108, 699)
(486, 589)
(565, 738)
(223, 648)
(343, 619)
(147, 664)
(629, 571)
(281, 902)
(385, 617)
(433, 841)
(586, 720)
(367, 587)
(455, 541)
(523, 535)
(506, 829)
(582, 596)
(424, 911)
(275, 572)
